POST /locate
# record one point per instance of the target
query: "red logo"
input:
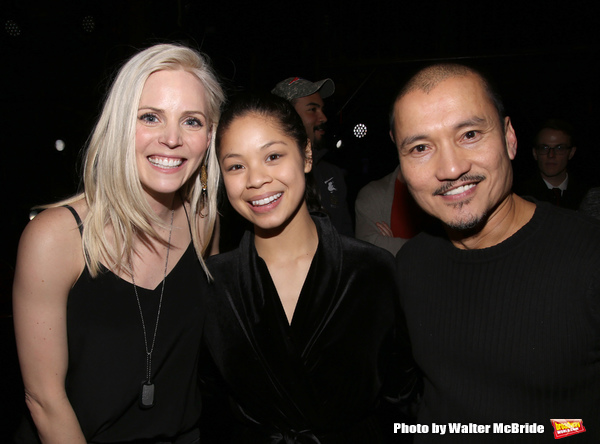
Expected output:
(567, 427)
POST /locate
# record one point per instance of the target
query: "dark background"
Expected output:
(58, 58)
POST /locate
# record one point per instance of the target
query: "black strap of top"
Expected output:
(77, 218)
(80, 224)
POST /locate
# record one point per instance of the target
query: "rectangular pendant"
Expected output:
(147, 395)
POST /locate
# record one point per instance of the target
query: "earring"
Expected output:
(204, 184)
(203, 178)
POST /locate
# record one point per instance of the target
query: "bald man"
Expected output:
(503, 315)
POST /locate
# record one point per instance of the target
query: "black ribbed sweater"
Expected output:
(509, 333)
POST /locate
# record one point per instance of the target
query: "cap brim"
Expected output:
(325, 87)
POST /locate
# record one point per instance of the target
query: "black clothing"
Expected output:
(590, 204)
(321, 378)
(331, 186)
(107, 359)
(509, 333)
(537, 189)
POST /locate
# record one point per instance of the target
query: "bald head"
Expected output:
(430, 77)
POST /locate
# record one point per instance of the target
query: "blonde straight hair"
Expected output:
(111, 184)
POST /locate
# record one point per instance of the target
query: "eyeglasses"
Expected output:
(559, 150)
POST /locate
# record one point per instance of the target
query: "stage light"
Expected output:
(59, 145)
(339, 144)
(88, 23)
(12, 28)
(360, 130)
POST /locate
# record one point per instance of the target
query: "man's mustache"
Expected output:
(454, 183)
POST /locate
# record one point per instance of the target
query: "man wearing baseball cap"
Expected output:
(307, 98)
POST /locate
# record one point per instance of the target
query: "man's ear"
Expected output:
(308, 157)
(572, 153)
(392, 137)
(510, 138)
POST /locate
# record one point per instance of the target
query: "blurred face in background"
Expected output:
(310, 109)
(552, 152)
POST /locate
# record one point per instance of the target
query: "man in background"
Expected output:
(554, 147)
(307, 98)
(386, 213)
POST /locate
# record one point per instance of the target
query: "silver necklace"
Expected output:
(147, 390)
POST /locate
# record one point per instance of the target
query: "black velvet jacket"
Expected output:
(320, 379)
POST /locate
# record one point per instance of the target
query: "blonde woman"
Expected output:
(105, 297)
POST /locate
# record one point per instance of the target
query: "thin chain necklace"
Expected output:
(147, 390)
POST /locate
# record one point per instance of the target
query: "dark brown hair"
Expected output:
(284, 115)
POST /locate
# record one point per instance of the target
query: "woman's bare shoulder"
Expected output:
(52, 224)
(53, 237)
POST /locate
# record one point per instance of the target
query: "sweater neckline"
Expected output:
(525, 232)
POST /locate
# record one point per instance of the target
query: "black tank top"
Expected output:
(107, 361)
